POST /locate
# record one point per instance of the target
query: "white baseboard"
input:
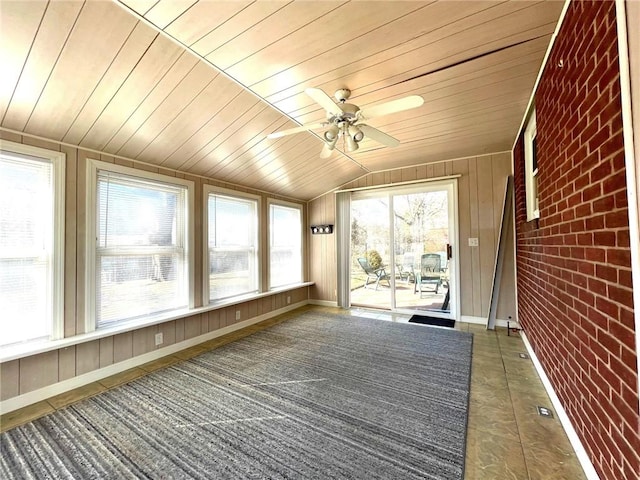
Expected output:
(483, 321)
(49, 391)
(581, 453)
(323, 303)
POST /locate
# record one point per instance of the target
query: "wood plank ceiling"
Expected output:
(197, 86)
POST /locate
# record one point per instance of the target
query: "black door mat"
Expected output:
(438, 322)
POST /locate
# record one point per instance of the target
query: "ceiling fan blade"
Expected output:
(323, 100)
(406, 103)
(378, 136)
(302, 128)
(326, 151)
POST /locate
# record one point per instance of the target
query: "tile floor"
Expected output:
(506, 438)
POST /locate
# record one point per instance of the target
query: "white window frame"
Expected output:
(93, 166)
(56, 277)
(233, 194)
(531, 175)
(283, 203)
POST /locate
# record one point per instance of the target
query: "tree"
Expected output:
(374, 259)
(418, 217)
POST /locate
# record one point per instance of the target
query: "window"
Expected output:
(232, 244)
(31, 243)
(531, 168)
(138, 247)
(285, 245)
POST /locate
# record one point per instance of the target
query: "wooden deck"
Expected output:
(405, 297)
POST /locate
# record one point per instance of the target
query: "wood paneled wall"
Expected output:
(322, 249)
(481, 188)
(37, 371)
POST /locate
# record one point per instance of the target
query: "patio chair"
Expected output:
(406, 270)
(373, 274)
(430, 273)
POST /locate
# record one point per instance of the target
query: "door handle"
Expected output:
(449, 251)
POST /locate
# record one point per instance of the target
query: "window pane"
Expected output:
(140, 256)
(233, 261)
(26, 248)
(531, 168)
(136, 213)
(286, 246)
(135, 286)
(23, 300)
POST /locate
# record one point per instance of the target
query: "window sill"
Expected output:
(20, 350)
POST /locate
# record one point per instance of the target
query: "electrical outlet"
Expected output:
(159, 339)
(544, 412)
(473, 242)
(237, 314)
(288, 299)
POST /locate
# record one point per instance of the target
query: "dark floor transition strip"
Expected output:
(438, 322)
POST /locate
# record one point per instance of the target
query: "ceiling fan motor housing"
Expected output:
(349, 114)
(342, 94)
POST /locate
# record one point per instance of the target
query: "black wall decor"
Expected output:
(321, 229)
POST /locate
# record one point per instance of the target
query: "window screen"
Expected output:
(140, 252)
(233, 246)
(285, 252)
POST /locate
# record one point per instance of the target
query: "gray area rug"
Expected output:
(321, 396)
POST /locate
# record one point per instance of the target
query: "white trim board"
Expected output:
(578, 448)
(399, 184)
(324, 303)
(49, 391)
(532, 97)
(632, 163)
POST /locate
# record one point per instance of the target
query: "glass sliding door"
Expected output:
(422, 240)
(371, 259)
(408, 235)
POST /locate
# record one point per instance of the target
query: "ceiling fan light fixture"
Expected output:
(352, 145)
(332, 134)
(331, 144)
(356, 133)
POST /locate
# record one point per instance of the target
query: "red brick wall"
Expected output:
(574, 275)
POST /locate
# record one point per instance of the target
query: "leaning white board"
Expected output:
(507, 210)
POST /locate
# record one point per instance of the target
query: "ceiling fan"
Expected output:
(343, 120)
